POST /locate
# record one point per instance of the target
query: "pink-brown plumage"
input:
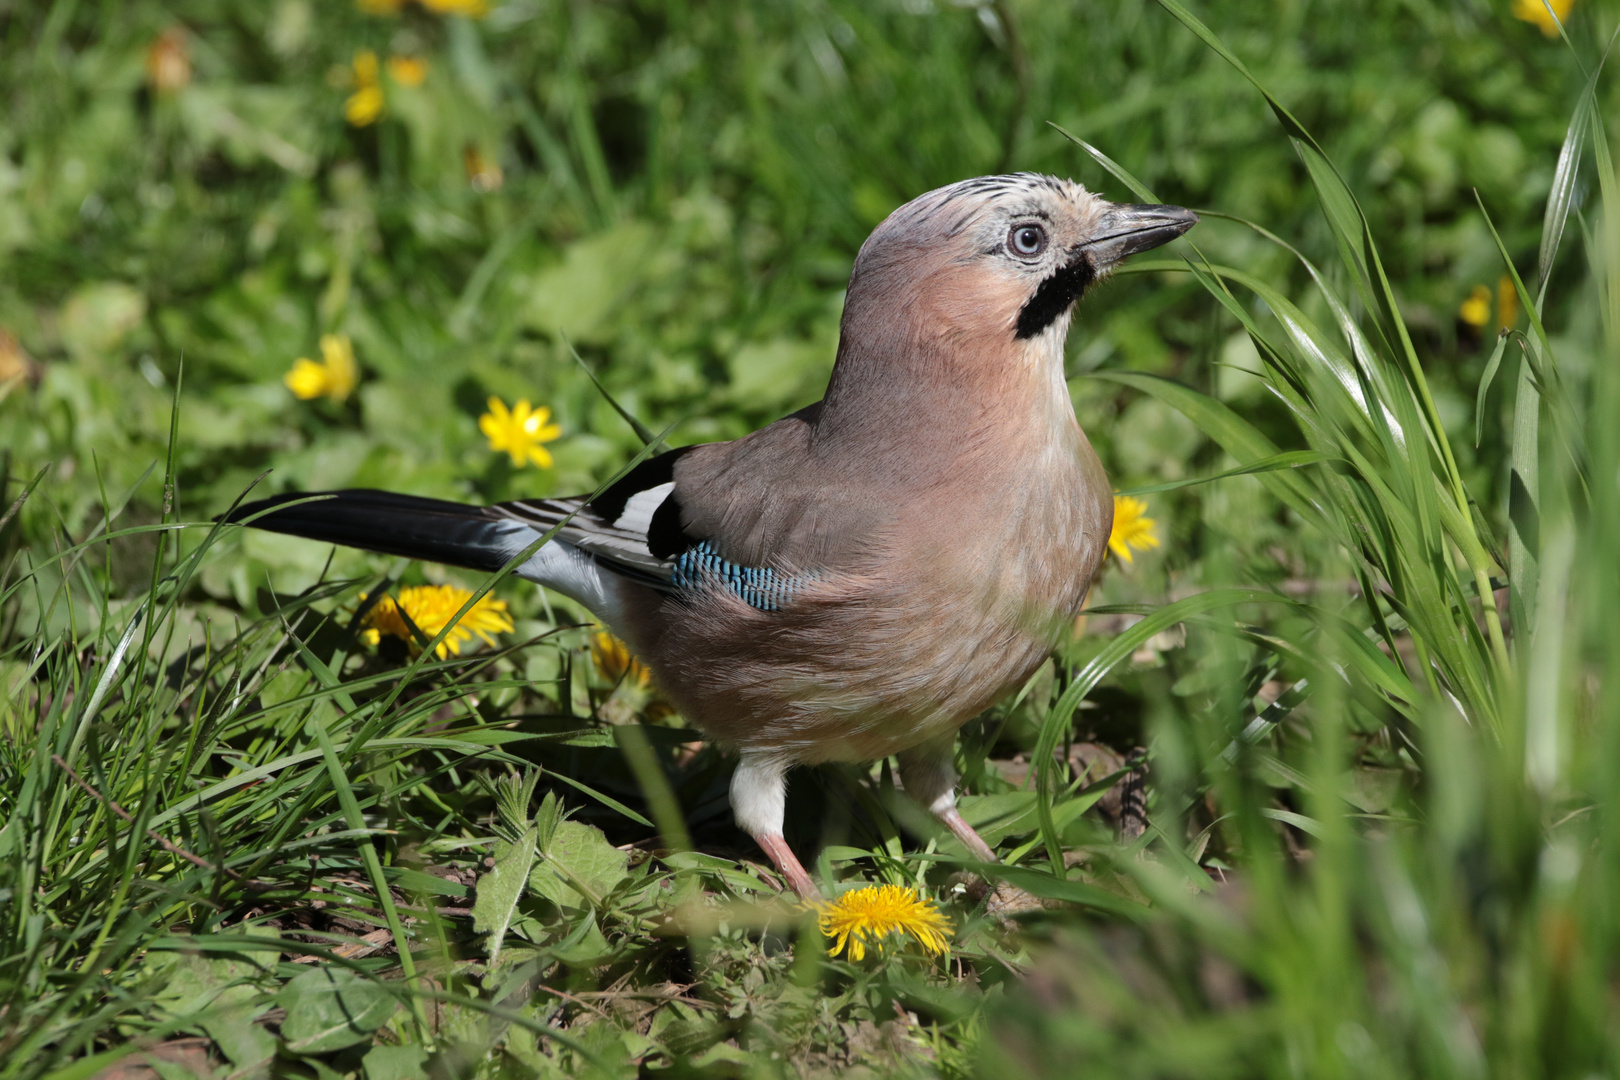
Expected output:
(926, 531)
(952, 523)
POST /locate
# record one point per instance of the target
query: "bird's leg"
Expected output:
(788, 865)
(759, 804)
(930, 778)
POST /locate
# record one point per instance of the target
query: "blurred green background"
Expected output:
(678, 190)
(470, 192)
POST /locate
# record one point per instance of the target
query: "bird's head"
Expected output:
(1001, 258)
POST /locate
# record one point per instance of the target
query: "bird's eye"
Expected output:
(1027, 240)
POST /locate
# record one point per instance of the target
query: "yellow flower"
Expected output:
(864, 917)
(1132, 528)
(430, 607)
(366, 103)
(614, 662)
(483, 174)
(1534, 11)
(519, 431)
(334, 377)
(1507, 303)
(473, 9)
(13, 360)
(1476, 310)
(407, 70)
(168, 61)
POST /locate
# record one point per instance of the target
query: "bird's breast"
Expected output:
(953, 602)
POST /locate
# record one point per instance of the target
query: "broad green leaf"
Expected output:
(579, 867)
(579, 295)
(586, 947)
(395, 1063)
(247, 1044)
(222, 995)
(329, 1008)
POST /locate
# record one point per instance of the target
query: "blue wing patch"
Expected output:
(757, 586)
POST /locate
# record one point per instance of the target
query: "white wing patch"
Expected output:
(624, 549)
(639, 508)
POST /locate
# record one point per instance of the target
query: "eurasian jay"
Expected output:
(867, 574)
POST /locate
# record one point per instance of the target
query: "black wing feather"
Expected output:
(486, 537)
(417, 528)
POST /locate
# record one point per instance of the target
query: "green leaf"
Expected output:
(199, 982)
(244, 1042)
(643, 432)
(1485, 385)
(1118, 648)
(1139, 189)
(512, 797)
(1289, 459)
(579, 296)
(585, 947)
(1235, 435)
(580, 867)
(1560, 199)
(329, 1008)
(395, 1063)
(546, 819)
(1079, 893)
(502, 887)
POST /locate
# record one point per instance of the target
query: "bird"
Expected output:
(863, 576)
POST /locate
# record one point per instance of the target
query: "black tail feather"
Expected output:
(432, 530)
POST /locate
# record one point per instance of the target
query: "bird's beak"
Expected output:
(1127, 228)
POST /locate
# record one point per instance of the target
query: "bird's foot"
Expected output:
(788, 865)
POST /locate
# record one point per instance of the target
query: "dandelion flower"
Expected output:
(519, 431)
(1132, 528)
(1534, 11)
(473, 9)
(13, 361)
(430, 607)
(614, 662)
(168, 61)
(866, 916)
(334, 377)
(366, 103)
(1507, 303)
(483, 174)
(407, 70)
(1476, 310)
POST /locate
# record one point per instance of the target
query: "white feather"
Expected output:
(759, 794)
(638, 509)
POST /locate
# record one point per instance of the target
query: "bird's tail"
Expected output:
(428, 529)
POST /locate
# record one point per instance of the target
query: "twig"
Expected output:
(172, 849)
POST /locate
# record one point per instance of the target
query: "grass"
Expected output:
(1369, 671)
